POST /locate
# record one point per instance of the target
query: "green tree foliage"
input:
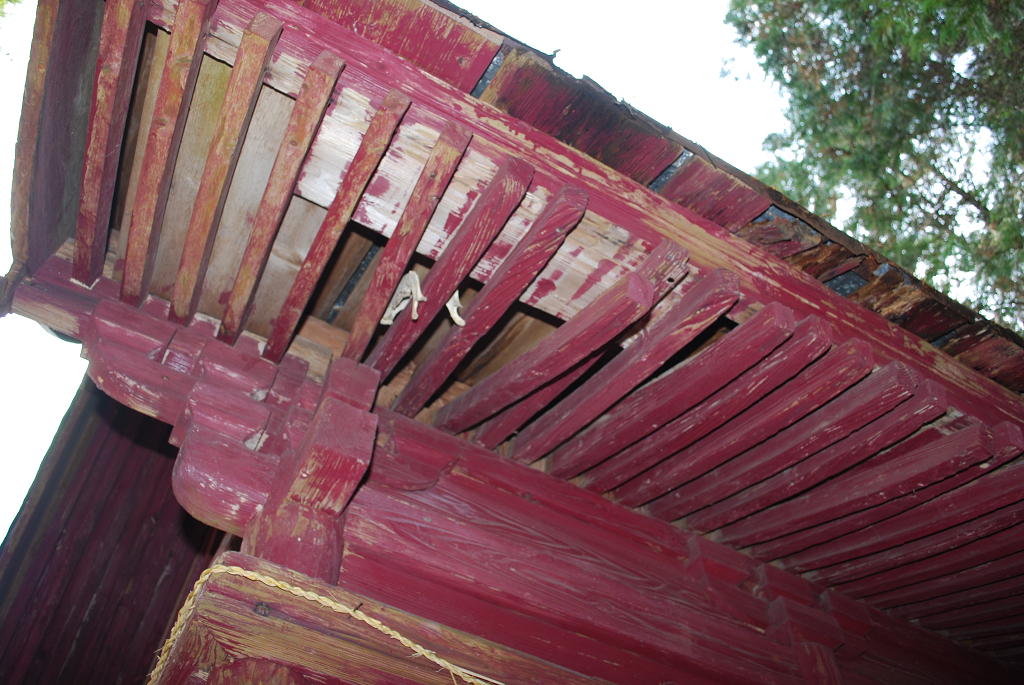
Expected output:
(4, 4)
(914, 111)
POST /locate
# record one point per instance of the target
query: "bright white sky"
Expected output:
(664, 58)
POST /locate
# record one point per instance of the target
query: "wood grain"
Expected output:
(394, 260)
(696, 310)
(170, 112)
(606, 317)
(371, 149)
(483, 223)
(310, 105)
(508, 282)
(254, 54)
(124, 22)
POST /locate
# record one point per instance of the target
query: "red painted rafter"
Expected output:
(664, 268)
(308, 111)
(483, 223)
(433, 180)
(120, 38)
(927, 404)
(864, 402)
(595, 326)
(671, 394)
(505, 286)
(698, 308)
(810, 340)
(254, 53)
(177, 81)
(371, 150)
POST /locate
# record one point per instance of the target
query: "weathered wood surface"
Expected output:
(696, 310)
(506, 284)
(433, 180)
(965, 599)
(170, 112)
(927, 404)
(310, 105)
(810, 340)
(671, 394)
(347, 650)
(491, 211)
(864, 402)
(254, 670)
(123, 24)
(254, 53)
(664, 268)
(590, 330)
(489, 214)
(371, 149)
(859, 490)
(762, 279)
(978, 498)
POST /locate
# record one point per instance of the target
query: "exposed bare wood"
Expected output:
(123, 25)
(372, 147)
(483, 223)
(254, 54)
(432, 181)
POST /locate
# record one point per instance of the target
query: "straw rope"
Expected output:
(189, 607)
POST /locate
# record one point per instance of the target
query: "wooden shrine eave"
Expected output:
(694, 374)
(624, 219)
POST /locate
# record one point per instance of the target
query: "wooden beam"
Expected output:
(174, 95)
(254, 671)
(433, 180)
(124, 22)
(483, 223)
(371, 150)
(810, 340)
(507, 283)
(617, 308)
(851, 410)
(1008, 605)
(927, 404)
(303, 124)
(696, 310)
(349, 650)
(820, 383)
(502, 425)
(671, 394)
(664, 268)
(960, 506)
(257, 47)
(965, 598)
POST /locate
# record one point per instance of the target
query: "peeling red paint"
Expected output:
(593, 278)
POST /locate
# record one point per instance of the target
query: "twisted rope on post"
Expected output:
(189, 607)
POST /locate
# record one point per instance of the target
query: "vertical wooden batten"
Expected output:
(371, 150)
(433, 180)
(123, 24)
(254, 53)
(310, 106)
(181, 70)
